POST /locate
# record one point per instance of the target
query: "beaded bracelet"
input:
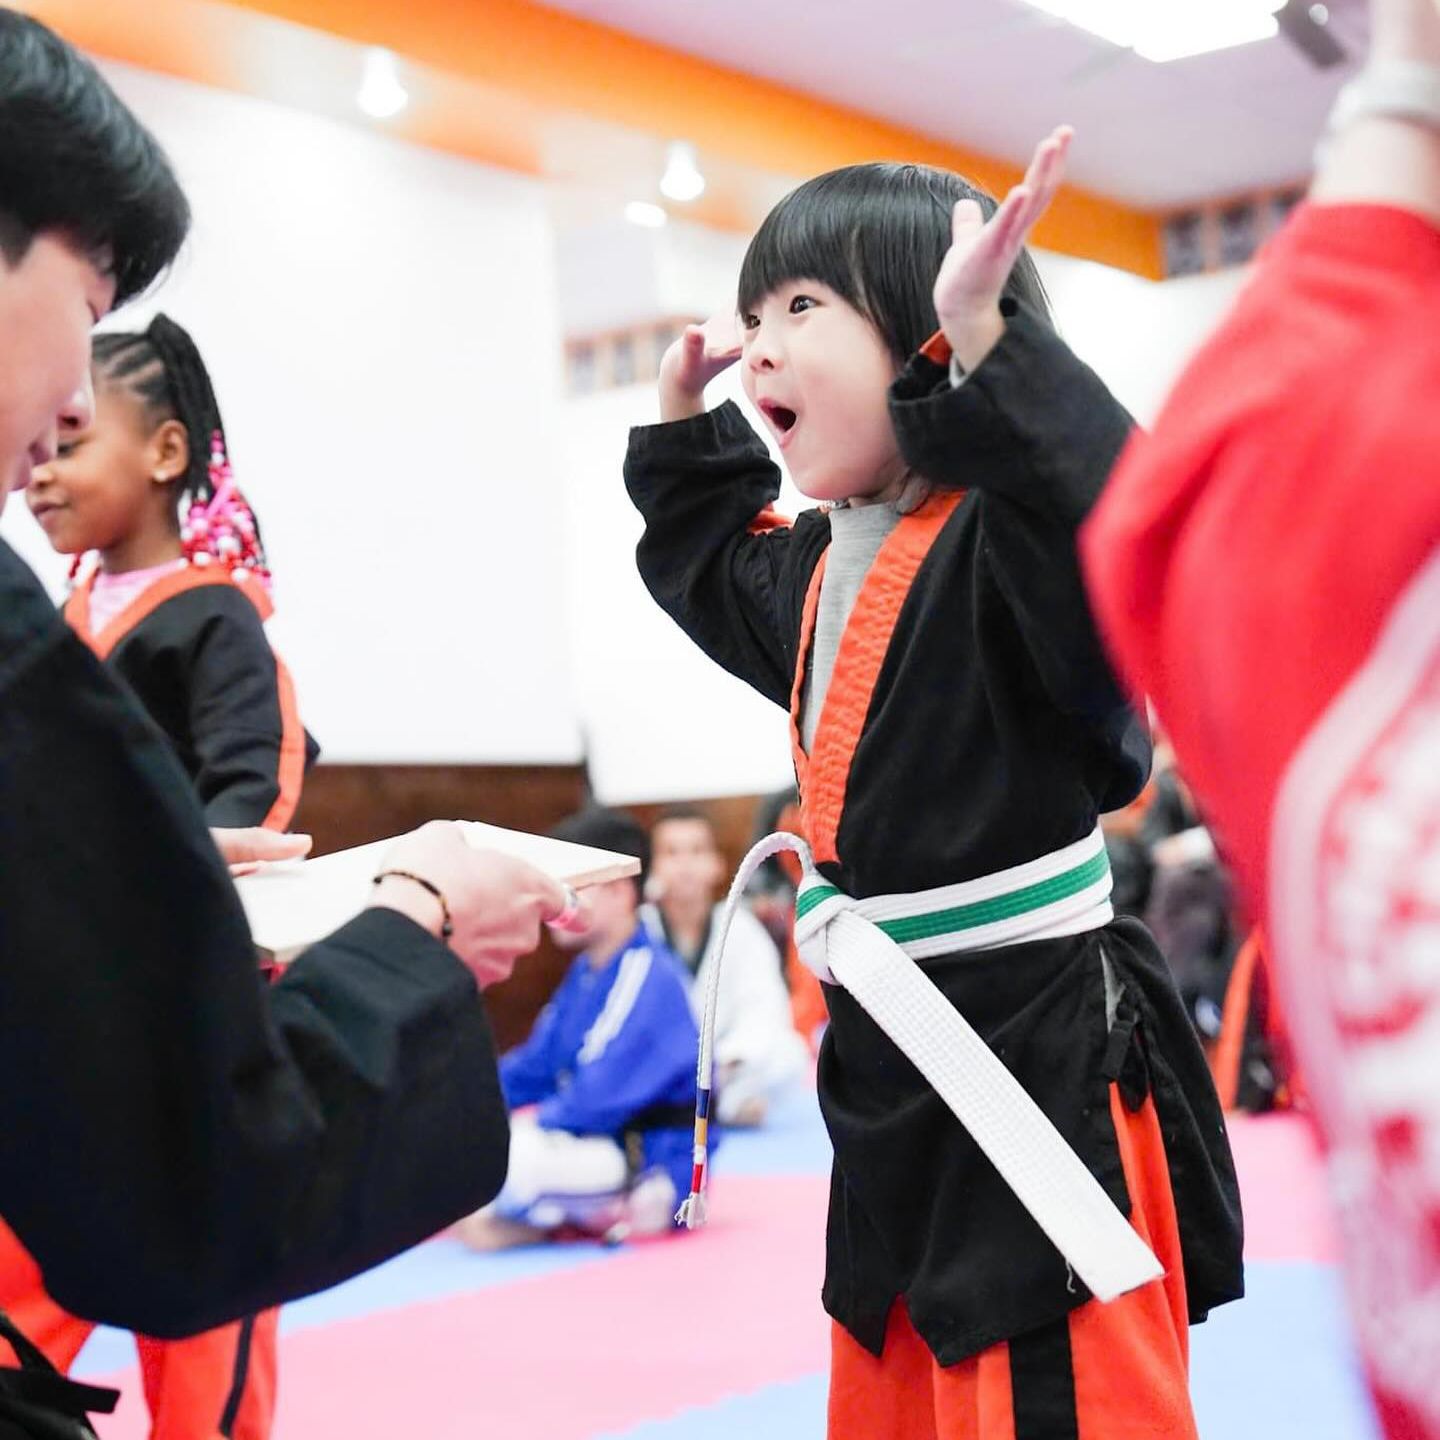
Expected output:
(447, 926)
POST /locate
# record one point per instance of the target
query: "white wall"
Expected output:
(382, 327)
(1137, 334)
(453, 545)
(661, 720)
(613, 274)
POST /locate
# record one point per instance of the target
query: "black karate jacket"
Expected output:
(994, 732)
(180, 1145)
(192, 647)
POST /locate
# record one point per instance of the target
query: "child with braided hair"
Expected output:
(171, 589)
(178, 591)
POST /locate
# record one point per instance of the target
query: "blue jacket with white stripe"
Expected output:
(614, 1043)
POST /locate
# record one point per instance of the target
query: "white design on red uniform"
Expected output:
(1355, 907)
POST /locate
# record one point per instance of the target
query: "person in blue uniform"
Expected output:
(605, 1083)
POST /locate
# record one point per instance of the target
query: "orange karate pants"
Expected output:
(1103, 1372)
(217, 1384)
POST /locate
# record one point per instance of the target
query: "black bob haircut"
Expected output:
(875, 234)
(74, 160)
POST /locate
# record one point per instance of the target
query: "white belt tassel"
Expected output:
(847, 948)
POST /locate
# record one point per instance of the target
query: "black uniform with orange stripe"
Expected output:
(193, 649)
(181, 1144)
(972, 724)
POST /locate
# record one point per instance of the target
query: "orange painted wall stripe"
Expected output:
(575, 64)
(218, 46)
(499, 69)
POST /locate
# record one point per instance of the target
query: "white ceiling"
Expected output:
(996, 75)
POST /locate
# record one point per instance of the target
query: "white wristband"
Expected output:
(1403, 89)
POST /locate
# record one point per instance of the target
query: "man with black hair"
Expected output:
(179, 1146)
(609, 1068)
(759, 1054)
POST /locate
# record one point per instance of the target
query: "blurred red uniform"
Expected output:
(1266, 567)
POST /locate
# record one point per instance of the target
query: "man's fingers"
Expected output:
(572, 915)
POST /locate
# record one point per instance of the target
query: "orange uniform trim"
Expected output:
(77, 607)
(1234, 1019)
(797, 688)
(290, 773)
(937, 349)
(767, 520)
(825, 774)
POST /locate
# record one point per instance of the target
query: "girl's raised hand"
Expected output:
(973, 274)
(693, 361)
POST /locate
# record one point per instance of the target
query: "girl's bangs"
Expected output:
(808, 236)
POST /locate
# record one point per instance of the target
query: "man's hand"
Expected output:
(497, 903)
(245, 851)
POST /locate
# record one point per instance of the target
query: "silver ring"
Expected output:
(568, 916)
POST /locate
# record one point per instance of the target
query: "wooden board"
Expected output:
(294, 904)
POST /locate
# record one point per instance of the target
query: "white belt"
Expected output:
(868, 947)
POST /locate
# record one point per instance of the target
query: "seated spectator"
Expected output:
(757, 1049)
(610, 1071)
(1191, 915)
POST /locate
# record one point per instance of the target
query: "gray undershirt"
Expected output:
(856, 535)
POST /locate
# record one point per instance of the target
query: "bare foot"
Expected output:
(493, 1232)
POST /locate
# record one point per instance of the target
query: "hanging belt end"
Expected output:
(1135, 1267)
(693, 1211)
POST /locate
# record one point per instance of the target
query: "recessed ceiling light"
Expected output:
(1320, 14)
(381, 94)
(682, 180)
(1171, 31)
(643, 213)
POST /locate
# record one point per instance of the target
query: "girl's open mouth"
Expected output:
(780, 416)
